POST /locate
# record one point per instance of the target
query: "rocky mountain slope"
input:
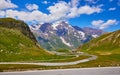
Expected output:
(61, 35)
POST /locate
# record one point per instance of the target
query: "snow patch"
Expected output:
(77, 36)
(51, 32)
(82, 33)
(63, 40)
(55, 25)
(59, 23)
(95, 36)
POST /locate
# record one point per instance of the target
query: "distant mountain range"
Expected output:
(62, 35)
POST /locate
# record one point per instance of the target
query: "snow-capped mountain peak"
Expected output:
(59, 24)
(61, 35)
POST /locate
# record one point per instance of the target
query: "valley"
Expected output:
(18, 44)
(59, 37)
(20, 51)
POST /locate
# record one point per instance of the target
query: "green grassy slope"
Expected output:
(108, 43)
(17, 43)
(15, 46)
(17, 24)
(106, 47)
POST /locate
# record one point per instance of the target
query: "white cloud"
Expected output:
(74, 3)
(64, 10)
(112, 9)
(97, 23)
(73, 12)
(61, 7)
(58, 11)
(101, 5)
(108, 23)
(89, 10)
(83, 10)
(45, 2)
(2, 13)
(91, 1)
(32, 6)
(27, 16)
(102, 24)
(4, 4)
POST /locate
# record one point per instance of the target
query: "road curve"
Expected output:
(93, 57)
(77, 71)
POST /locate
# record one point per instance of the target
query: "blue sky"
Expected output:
(101, 14)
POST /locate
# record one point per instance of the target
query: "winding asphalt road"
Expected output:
(78, 71)
(93, 57)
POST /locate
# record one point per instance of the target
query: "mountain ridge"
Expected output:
(109, 42)
(17, 24)
(69, 37)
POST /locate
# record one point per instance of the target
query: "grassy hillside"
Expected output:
(15, 46)
(106, 47)
(17, 24)
(108, 43)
